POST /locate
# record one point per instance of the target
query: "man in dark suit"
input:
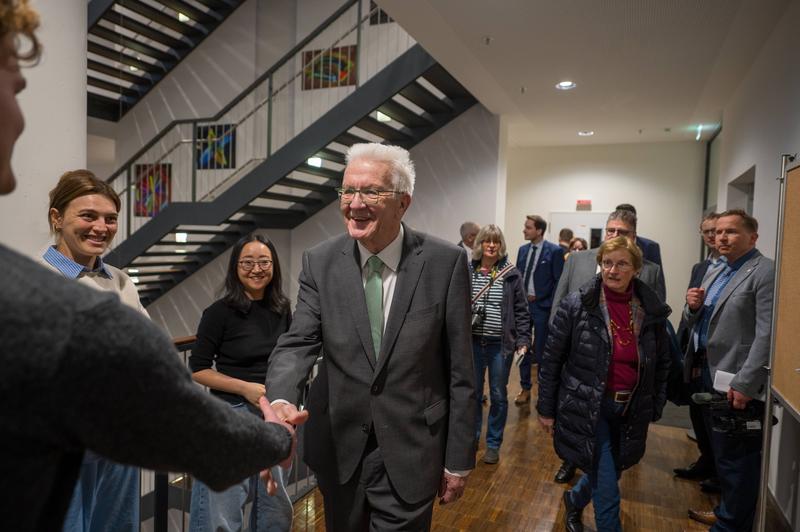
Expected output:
(391, 414)
(702, 274)
(650, 248)
(581, 267)
(541, 263)
(733, 318)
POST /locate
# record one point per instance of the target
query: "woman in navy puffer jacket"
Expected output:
(603, 379)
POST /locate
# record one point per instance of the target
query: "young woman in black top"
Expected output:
(236, 335)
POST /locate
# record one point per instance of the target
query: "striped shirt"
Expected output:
(71, 269)
(491, 302)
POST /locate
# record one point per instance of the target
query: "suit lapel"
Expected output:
(408, 272)
(353, 287)
(738, 278)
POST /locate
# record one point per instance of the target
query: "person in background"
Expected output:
(733, 319)
(578, 244)
(541, 263)
(583, 266)
(501, 329)
(603, 379)
(702, 274)
(82, 370)
(235, 337)
(565, 237)
(83, 217)
(469, 230)
(651, 251)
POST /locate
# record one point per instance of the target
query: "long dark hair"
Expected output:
(235, 295)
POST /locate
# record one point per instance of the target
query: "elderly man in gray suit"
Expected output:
(581, 267)
(733, 318)
(391, 414)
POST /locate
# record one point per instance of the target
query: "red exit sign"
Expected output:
(583, 205)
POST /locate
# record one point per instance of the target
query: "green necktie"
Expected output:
(373, 290)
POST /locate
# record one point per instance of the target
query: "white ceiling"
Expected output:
(646, 70)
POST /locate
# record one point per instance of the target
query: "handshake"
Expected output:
(285, 414)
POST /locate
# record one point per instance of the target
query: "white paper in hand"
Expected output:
(722, 381)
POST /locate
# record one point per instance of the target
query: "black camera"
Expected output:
(478, 313)
(729, 420)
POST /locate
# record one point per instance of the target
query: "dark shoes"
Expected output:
(695, 471)
(524, 396)
(491, 456)
(710, 485)
(701, 516)
(565, 472)
(573, 520)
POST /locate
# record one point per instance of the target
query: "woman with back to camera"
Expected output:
(236, 335)
(501, 328)
(603, 379)
(83, 217)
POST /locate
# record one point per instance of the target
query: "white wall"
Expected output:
(761, 122)
(663, 180)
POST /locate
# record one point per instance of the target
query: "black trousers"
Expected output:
(706, 459)
(369, 502)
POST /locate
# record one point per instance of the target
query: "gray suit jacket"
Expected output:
(739, 331)
(581, 267)
(419, 397)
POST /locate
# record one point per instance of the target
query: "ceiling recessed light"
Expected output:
(586, 133)
(315, 162)
(382, 117)
(182, 17)
(565, 85)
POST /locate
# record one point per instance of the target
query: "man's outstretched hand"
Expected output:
(289, 418)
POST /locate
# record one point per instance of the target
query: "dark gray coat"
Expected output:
(574, 371)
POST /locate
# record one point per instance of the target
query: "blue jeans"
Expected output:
(106, 497)
(738, 463)
(539, 319)
(601, 484)
(222, 511)
(486, 351)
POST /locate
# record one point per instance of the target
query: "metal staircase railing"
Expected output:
(361, 79)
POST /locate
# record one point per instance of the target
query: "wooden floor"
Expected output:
(519, 492)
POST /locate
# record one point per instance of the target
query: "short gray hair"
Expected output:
(625, 216)
(401, 167)
(491, 233)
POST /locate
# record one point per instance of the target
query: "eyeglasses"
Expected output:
(615, 231)
(247, 264)
(368, 195)
(621, 266)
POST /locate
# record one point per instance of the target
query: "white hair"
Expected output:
(401, 167)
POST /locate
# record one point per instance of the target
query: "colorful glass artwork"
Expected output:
(153, 188)
(334, 67)
(216, 147)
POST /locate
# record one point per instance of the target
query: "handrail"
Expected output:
(282, 61)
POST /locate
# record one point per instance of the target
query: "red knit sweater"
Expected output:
(623, 371)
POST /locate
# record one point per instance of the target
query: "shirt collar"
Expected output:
(741, 260)
(71, 269)
(390, 255)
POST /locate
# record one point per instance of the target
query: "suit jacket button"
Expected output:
(375, 389)
(365, 428)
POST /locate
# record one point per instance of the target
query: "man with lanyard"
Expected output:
(733, 319)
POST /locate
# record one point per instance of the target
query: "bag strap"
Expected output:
(489, 284)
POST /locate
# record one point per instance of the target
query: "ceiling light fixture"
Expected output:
(699, 132)
(566, 85)
(182, 17)
(315, 162)
(382, 117)
(586, 133)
